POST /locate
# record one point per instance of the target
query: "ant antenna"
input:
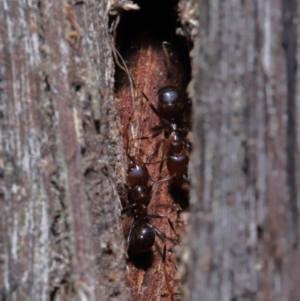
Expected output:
(125, 133)
(111, 34)
(151, 105)
(128, 73)
(167, 56)
(117, 55)
(162, 180)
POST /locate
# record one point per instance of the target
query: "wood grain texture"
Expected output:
(61, 237)
(244, 224)
(61, 149)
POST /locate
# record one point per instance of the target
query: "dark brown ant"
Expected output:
(138, 179)
(141, 236)
(171, 107)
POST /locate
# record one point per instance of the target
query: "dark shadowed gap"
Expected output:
(154, 22)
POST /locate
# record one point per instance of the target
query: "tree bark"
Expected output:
(61, 153)
(244, 231)
(61, 236)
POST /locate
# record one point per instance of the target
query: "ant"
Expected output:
(142, 234)
(171, 106)
(138, 179)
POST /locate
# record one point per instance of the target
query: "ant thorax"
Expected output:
(141, 194)
(177, 146)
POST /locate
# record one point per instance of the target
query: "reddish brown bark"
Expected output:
(149, 69)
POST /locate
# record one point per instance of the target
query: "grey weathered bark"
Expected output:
(244, 232)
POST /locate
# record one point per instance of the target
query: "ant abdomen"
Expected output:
(141, 238)
(170, 102)
(178, 166)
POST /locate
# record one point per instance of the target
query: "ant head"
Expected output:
(141, 238)
(140, 194)
(137, 173)
(170, 102)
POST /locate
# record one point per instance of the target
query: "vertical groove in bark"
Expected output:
(289, 41)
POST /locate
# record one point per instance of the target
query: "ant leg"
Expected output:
(173, 228)
(167, 55)
(163, 180)
(159, 128)
(128, 208)
(154, 135)
(166, 146)
(157, 232)
(125, 133)
(156, 215)
(128, 237)
(151, 105)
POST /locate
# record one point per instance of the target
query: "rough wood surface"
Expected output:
(244, 228)
(61, 237)
(61, 233)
